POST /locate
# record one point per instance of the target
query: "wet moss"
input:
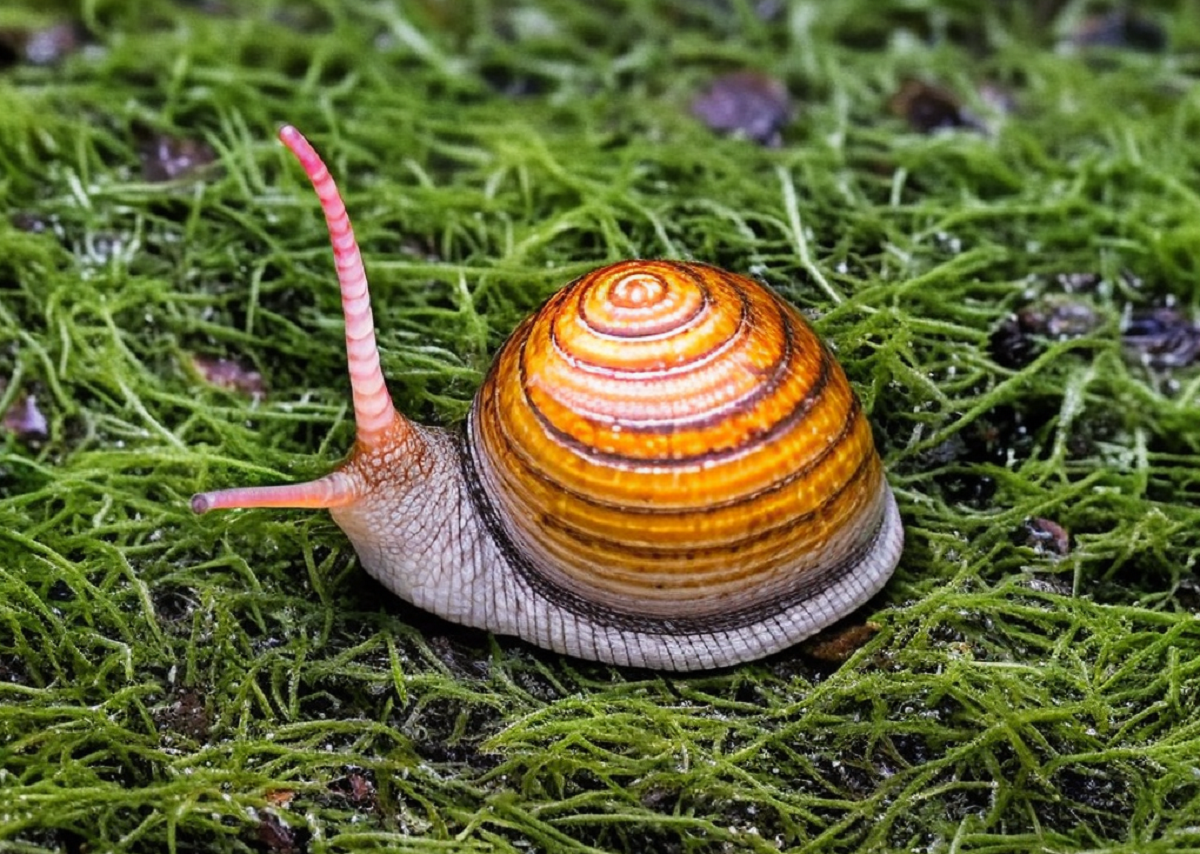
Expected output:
(236, 683)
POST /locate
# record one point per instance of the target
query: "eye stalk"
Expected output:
(376, 421)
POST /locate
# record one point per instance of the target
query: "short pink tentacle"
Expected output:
(333, 490)
(374, 414)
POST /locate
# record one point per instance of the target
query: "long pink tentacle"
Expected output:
(375, 418)
(374, 414)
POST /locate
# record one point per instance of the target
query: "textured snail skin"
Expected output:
(664, 467)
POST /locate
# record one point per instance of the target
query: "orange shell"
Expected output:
(668, 440)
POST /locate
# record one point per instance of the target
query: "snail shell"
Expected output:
(664, 467)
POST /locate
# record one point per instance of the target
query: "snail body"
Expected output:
(664, 467)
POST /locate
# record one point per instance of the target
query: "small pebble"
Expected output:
(1046, 536)
(230, 374)
(168, 158)
(1121, 29)
(28, 222)
(1019, 339)
(1161, 337)
(929, 108)
(745, 102)
(277, 836)
(356, 788)
(53, 44)
(47, 46)
(26, 420)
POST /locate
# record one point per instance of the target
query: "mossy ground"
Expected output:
(235, 682)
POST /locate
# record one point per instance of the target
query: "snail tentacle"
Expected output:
(333, 490)
(374, 413)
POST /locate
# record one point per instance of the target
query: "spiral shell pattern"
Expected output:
(666, 441)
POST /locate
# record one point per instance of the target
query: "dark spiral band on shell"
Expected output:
(699, 421)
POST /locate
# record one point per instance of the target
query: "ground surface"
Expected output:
(235, 682)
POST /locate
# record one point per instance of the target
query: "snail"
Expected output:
(664, 467)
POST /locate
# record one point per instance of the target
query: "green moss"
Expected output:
(183, 684)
